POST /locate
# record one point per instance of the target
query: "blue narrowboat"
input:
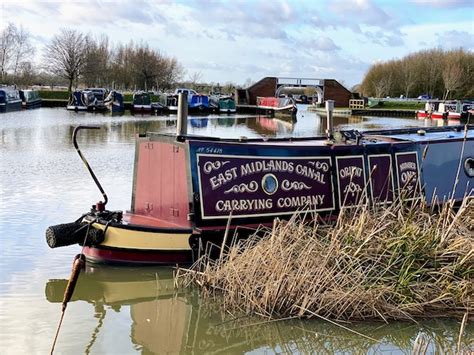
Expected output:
(196, 102)
(81, 101)
(114, 102)
(30, 99)
(100, 95)
(185, 188)
(9, 99)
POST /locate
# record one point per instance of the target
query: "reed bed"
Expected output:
(402, 261)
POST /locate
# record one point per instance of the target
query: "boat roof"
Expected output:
(373, 137)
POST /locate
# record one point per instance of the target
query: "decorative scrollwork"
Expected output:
(352, 189)
(295, 185)
(319, 165)
(213, 165)
(243, 187)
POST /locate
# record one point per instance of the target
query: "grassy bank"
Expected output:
(53, 95)
(397, 262)
(399, 105)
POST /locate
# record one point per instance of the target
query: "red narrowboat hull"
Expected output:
(136, 257)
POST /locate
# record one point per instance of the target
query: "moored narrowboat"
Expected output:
(81, 100)
(9, 99)
(226, 104)
(283, 106)
(114, 102)
(100, 95)
(197, 103)
(187, 188)
(30, 99)
(141, 102)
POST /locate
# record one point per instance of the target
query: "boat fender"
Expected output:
(95, 237)
(65, 234)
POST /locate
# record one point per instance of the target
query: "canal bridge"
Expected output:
(321, 89)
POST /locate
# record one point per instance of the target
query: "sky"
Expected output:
(234, 41)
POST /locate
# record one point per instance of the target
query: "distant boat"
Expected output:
(222, 103)
(280, 105)
(100, 95)
(114, 102)
(81, 101)
(169, 101)
(447, 110)
(227, 104)
(196, 102)
(30, 99)
(9, 99)
(141, 102)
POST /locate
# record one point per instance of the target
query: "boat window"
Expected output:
(469, 167)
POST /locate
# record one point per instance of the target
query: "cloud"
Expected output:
(445, 3)
(353, 13)
(385, 38)
(455, 39)
(319, 43)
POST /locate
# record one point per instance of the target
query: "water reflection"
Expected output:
(164, 319)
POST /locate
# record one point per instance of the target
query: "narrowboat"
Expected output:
(141, 102)
(9, 99)
(282, 106)
(169, 101)
(81, 100)
(188, 189)
(453, 111)
(30, 99)
(227, 104)
(196, 102)
(114, 102)
(100, 95)
(222, 103)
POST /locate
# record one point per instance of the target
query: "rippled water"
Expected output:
(123, 310)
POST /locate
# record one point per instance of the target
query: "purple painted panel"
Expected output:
(407, 174)
(381, 178)
(351, 179)
(263, 186)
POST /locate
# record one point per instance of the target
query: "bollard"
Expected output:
(182, 124)
(329, 109)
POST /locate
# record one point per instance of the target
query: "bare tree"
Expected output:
(65, 55)
(407, 75)
(146, 64)
(7, 45)
(194, 79)
(97, 62)
(453, 73)
(23, 50)
(171, 73)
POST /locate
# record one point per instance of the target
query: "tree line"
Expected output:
(73, 58)
(434, 72)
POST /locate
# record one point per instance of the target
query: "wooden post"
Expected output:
(182, 123)
(329, 109)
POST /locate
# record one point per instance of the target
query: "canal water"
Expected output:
(125, 310)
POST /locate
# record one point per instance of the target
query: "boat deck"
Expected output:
(352, 137)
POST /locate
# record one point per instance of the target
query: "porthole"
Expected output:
(270, 184)
(469, 167)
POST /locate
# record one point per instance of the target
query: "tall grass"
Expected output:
(402, 261)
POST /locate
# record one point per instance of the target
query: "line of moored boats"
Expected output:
(446, 110)
(13, 100)
(99, 99)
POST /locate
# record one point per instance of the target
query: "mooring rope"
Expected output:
(77, 265)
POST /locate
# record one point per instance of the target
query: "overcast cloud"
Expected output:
(231, 41)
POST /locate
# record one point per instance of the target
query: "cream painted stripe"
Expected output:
(132, 239)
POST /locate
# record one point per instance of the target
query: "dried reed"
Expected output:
(401, 261)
